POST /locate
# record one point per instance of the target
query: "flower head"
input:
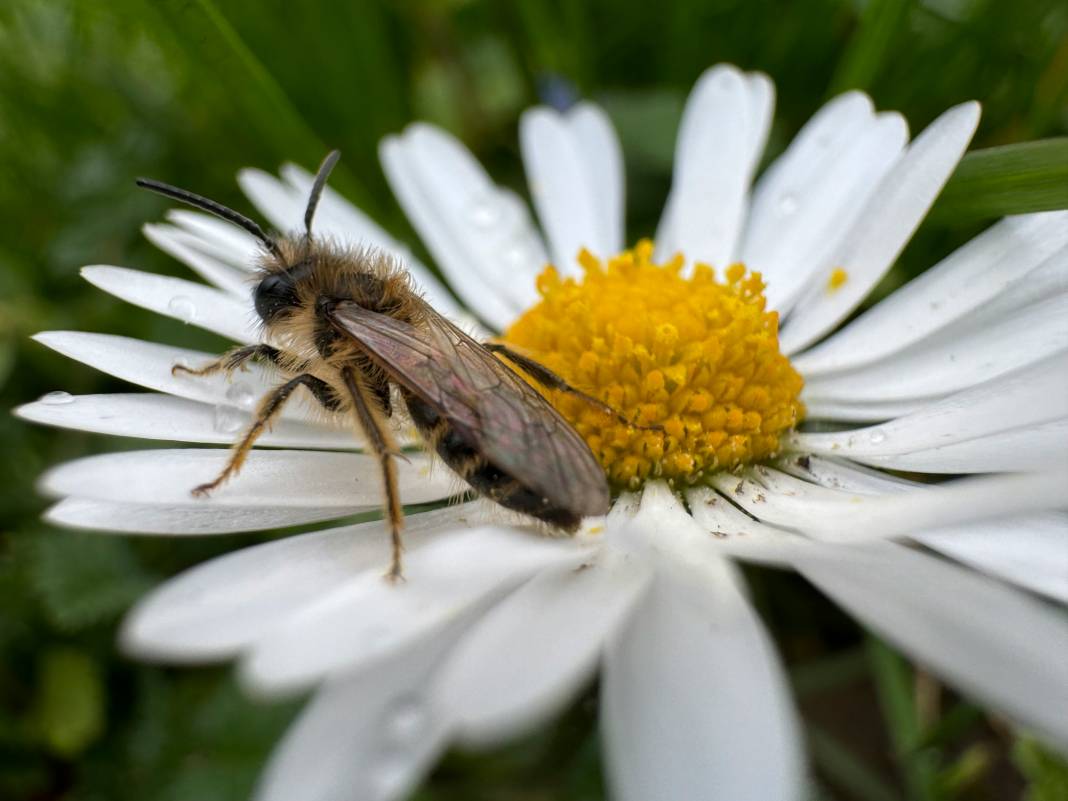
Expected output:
(961, 371)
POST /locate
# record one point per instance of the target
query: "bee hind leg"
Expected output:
(547, 378)
(269, 408)
(381, 442)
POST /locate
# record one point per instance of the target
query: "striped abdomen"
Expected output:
(484, 477)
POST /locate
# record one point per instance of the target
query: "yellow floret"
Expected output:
(695, 356)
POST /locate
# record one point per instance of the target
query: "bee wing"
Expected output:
(511, 424)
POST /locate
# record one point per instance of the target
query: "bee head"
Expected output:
(276, 294)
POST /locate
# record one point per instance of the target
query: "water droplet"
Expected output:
(484, 210)
(405, 720)
(518, 254)
(876, 436)
(787, 204)
(391, 772)
(182, 308)
(58, 398)
(241, 395)
(227, 419)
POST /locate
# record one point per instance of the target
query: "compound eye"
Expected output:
(275, 296)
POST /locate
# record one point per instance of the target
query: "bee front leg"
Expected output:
(381, 442)
(234, 359)
(268, 409)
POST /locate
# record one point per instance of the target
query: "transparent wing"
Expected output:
(497, 411)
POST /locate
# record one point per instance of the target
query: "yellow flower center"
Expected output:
(694, 356)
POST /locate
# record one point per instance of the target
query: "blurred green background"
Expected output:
(93, 94)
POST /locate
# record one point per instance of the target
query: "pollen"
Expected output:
(692, 362)
(837, 279)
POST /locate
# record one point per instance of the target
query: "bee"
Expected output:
(346, 324)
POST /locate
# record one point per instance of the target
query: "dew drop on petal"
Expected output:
(390, 774)
(57, 398)
(787, 204)
(227, 419)
(484, 210)
(240, 394)
(518, 254)
(405, 719)
(876, 436)
(183, 308)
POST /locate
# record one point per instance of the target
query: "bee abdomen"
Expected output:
(483, 476)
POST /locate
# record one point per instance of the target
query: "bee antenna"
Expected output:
(210, 206)
(317, 188)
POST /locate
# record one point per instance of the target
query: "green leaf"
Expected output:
(1013, 179)
(69, 710)
(84, 579)
(880, 25)
(1046, 773)
(647, 122)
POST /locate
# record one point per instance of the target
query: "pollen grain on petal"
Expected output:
(696, 356)
(837, 279)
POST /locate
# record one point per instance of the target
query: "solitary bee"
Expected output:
(346, 324)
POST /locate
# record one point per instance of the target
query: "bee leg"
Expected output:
(269, 408)
(381, 442)
(547, 378)
(233, 359)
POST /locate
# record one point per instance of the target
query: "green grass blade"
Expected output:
(1013, 179)
(894, 682)
(842, 767)
(880, 25)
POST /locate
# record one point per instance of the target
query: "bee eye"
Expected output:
(275, 295)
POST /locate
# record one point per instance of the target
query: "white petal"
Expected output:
(366, 737)
(694, 702)
(369, 618)
(154, 518)
(219, 238)
(845, 411)
(574, 170)
(202, 306)
(721, 136)
(522, 662)
(849, 516)
(1029, 551)
(884, 227)
(269, 478)
(735, 533)
(149, 365)
(480, 234)
(808, 199)
(598, 141)
(277, 201)
(340, 220)
(989, 641)
(155, 416)
(216, 609)
(951, 361)
(183, 246)
(1029, 396)
(1030, 448)
(955, 288)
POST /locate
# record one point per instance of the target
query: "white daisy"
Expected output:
(964, 370)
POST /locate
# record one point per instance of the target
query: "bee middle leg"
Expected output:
(547, 378)
(381, 442)
(268, 409)
(234, 359)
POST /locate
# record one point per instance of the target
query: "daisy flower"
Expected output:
(962, 371)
